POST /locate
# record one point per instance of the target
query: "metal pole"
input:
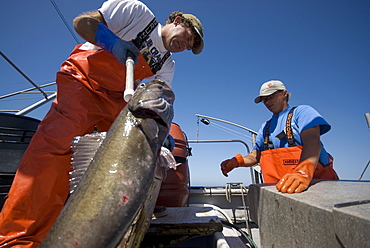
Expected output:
(219, 141)
(27, 91)
(367, 116)
(36, 105)
(228, 122)
(364, 170)
(253, 133)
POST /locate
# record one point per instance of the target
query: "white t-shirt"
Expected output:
(127, 18)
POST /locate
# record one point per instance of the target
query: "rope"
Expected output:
(228, 198)
(23, 74)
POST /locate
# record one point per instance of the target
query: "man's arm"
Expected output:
(86, 25)
(311, 145)
(302, 175)
(93, 28)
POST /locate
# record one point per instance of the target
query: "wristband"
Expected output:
(105, 38)
(240, 160)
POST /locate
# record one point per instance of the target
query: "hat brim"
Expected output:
(258, 99)
(198, 49)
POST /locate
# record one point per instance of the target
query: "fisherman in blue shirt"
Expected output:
(288, 146)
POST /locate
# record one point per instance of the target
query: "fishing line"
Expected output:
(22, 98)
(197, 131)
(64, 20)
(231, 131)
(222, 128)
(22, 73)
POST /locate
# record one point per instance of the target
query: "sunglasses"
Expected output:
(266, 98)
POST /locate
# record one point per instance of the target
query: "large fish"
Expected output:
(116, 184)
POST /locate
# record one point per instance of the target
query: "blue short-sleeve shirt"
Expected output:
(304, 117)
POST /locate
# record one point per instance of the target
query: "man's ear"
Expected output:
(177, 20)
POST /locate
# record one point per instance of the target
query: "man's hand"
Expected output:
(229, 164)
(106, 39)
(121, 48)
(299, 180)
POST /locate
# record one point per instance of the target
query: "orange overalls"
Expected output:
(275, 163)
(90, 94)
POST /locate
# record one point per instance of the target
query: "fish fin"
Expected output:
(165, 162)
(84, 149)
(166, 159)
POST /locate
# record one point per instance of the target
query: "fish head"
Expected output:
(153, 100)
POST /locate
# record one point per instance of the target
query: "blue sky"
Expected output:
(319, 49)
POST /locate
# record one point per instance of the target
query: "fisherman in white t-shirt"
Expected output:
(91, 83)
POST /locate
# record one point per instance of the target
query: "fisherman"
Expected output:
(90, 84)
(288, 146)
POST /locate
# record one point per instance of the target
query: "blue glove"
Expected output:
(106, 39)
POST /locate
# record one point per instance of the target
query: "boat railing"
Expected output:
(256, 176)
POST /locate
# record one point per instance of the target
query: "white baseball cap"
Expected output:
(268, 88)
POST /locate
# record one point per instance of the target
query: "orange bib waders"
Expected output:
(90, 94)
(275, 163)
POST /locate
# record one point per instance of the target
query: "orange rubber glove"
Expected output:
(299, 180)
(229, 164)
